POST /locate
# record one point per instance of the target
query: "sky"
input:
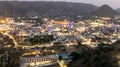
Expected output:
(113, 3)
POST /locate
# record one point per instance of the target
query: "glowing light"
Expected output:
(45, 19)
(61, 63)
(14, 41)
(33, 53)
(32, 64)
(2, 21)
(53, 51)
(69, 24)
(48, 29)
(111, 25)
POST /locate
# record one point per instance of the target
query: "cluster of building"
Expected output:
(66, 33)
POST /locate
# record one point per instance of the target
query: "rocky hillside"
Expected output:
(105, 10)
(41, 8)
(118, 10)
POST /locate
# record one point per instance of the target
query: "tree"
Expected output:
(99, 57)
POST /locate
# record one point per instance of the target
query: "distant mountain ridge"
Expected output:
(13, 8)
(118, 10)
(105, 10)
(47, 8)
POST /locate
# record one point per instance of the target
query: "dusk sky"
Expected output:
(112, 3)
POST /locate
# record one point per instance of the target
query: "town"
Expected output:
(42, 41)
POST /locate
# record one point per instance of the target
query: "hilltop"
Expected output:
(105, 10)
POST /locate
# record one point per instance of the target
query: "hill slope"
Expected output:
(12, 8)
(118, 10)
(105, 10)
